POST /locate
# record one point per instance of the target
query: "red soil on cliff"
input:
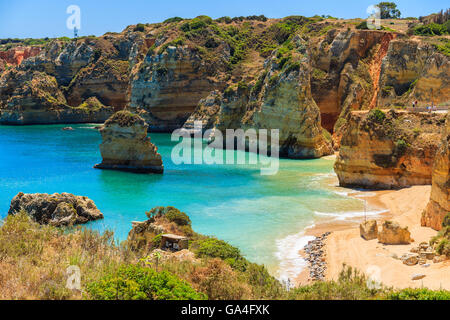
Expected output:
(375, 68)
(15, 56)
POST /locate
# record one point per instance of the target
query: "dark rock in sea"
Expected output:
(57, 209)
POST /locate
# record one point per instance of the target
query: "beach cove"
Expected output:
(266, 217)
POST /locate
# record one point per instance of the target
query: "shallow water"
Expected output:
(262, 215)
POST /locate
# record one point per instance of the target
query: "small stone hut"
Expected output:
(173, 242)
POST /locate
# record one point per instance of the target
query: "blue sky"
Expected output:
(46, 18)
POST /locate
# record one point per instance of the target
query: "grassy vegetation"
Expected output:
(124, 118)
(135, 282)
(34, 259)
(442, 239)
(377, 115)
(433, 29)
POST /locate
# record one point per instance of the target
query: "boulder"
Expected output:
(439, 259)
(126, 146)
(410, 259)
(57, 209)
(416, 277)
(369, 230)
(393, 234)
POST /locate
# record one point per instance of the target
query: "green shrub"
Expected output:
(215, 248)
(139, 27)
(432, 29)
(295, 66)
(446, 222)
(443, 46)
(199, 22)
(180, 218)
(362, 26)
(156, 241)
(124, 118)
(419, 294)
(226, 20)
(170, 213)
(134, 282)
(174, 19)
(377, 115)
(400, 147)
(443, 247)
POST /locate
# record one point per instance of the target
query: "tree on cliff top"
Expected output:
(389, 10)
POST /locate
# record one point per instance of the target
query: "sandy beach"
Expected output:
(345, 246)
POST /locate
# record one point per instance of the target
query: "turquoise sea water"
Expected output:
(262, 215)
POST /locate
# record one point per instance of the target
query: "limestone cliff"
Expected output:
(280, 99)
(439, 205)
(345, 65)
(126, 146)
(79, 70)
(106, 79)
(33, 97)
(57, 209)
(163, 71)
(414, 71)
(168, 86)
(388, 150)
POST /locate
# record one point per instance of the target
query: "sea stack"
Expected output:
(126, 146)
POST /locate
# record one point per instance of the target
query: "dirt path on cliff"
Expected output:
(405, 206)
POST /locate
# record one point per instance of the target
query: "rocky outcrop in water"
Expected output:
(388, 150)
(63, 209)
(127, 147)
(439, 205)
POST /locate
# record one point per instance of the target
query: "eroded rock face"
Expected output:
(57, 209)
(126, 146)
(439, 205)
(34, 97)
(411, 71)
(393, 234)
(168, 86)
(395, 151)
(107, 80)
(369, 230)
(15, 56)
(283, 101)
(346, 70)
